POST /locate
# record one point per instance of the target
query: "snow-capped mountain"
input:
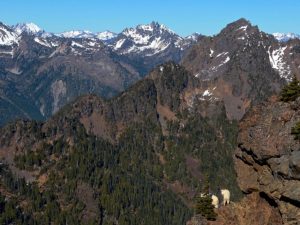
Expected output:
(149, 39)
(27, 27)
(193, 37)
(31, 29)
(106, 35)
(150, 44)
(283, 37)
(77, 34)
(7, 35)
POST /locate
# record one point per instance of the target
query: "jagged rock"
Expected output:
(295, 164)
(268, 158)
(252, 210)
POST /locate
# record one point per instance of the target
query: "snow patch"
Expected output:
(75, 44)
(221, 54)
(206, 93)
(211, 53)
(54, 44)
(226, 60)
(136, 37)
(42, 42)
(147, 27)
(8, 37)
(277, 62)
(193, 37)
(7, 53)
(119, 44)
(244, 28)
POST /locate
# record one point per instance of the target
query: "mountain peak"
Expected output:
(241, 21)
(154, 26)
(238, 24)
(284, 37)
(77, 34)
(29, 28)
(106, 35)
(7, 35)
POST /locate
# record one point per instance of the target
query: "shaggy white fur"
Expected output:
(226, 196)
(215, 201)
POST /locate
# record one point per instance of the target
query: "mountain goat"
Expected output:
(214, 198)
(226, 196)
(215, 201)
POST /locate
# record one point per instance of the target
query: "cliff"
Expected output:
(267, 158)
(267, 163)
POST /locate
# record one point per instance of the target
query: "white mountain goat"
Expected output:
(214, 198)
(215, 201)
(226, 196)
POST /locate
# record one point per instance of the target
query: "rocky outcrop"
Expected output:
(267, 158)
(252, 210)
(267, 163)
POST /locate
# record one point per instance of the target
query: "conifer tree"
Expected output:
(204, 203)
(291, 91)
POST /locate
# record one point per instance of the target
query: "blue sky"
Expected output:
(183, 16)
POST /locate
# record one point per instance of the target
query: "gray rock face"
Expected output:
(295, 164)
(268, 158)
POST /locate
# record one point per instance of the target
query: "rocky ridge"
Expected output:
(242, 65)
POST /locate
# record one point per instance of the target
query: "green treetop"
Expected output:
(291, 91)
(204, 203)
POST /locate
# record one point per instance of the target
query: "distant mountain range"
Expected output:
(108, 35)
(283, 37)
(41, 71)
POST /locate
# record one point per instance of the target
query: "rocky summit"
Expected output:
(242, 66)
